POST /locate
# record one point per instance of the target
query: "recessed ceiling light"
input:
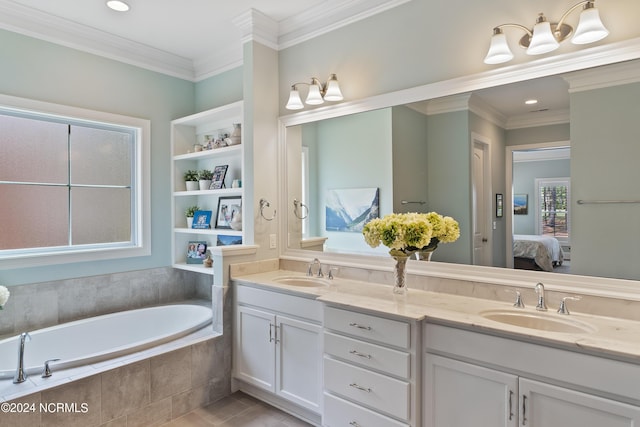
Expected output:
(531, 101)
(118, 5)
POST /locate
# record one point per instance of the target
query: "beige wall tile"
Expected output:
(170, 373)
(28, 418)
(155, 414)
(86, 391)
(125, 390)
(189, 400)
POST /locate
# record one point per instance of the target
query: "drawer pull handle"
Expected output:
(359, 387)
(356, 353)
(355, 325)
(354, 424)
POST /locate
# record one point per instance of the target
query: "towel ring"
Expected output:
(265, 204)
(298, 204)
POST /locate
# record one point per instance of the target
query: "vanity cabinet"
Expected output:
(370, 370)
(278, 345)
(186, 132)
(509, 383)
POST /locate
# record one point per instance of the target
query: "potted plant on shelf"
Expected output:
(189, 214)
(191, 180)
(204, 177)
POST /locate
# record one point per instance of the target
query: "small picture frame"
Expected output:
(219, 173)
(227, 206)
(201, 219)
(499, 205)
(520, 204)
(224, 240)
(196, 252)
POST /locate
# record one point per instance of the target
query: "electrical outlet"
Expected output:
(272, 241)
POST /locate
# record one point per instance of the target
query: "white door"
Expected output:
(459, 394)
(299, 359)
(255, 350)
(544, 405)
(481, 205)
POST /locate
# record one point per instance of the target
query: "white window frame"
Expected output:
(141, 232)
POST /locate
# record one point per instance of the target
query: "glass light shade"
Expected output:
(499, 51)
(118, 5)
(314, 97)
(294, 103)
(333, 92)
(542, 40)
(590, 28)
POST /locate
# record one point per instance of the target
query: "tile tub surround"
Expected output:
(149, 391)
(39, 305)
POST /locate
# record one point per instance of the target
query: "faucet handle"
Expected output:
(330, 271)
(518, 303)
(563, 305)
(46, 372)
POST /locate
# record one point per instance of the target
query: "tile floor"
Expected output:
(237, 410)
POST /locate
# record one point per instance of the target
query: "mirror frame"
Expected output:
(588, 285)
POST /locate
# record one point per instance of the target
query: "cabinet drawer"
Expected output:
(340, 413)
(374, 390)
(276, 301)
(369, 355)
(373, 328)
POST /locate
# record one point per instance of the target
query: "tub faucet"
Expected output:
(541, 306)
(315, 261)
(21, 375)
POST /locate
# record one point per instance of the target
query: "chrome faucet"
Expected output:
(315, 261)
(541, 306)
(21, 375)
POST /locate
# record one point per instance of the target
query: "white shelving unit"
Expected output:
(185, 132)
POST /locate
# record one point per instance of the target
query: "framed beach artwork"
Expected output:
(520, 204)
(349, 209)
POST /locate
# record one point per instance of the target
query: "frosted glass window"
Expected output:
(65, 184)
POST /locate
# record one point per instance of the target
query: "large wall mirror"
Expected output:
(566, 168)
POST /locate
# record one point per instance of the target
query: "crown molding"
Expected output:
(34, 23)
(256, 26)
(605, 76)
(329, 16)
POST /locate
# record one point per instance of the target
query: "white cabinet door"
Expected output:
(458, 394)
(255, 354)
(298, 371)
(544, 405)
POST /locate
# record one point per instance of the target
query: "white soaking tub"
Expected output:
(95, 339)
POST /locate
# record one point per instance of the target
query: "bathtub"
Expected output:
(100, 338)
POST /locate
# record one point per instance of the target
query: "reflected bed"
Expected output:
(532, 252)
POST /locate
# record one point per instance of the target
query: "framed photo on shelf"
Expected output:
(227, 206)
(201, 219)
(219, 172)
(224, 240)
(196, 252)
(499, 205)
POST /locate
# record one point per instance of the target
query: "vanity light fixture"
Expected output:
(118, 5)
(546, 37)
(317, 94)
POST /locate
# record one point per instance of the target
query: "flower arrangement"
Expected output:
(407, 233)
(4, 296)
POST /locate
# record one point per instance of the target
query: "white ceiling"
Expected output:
(190, 39)
(194, 39)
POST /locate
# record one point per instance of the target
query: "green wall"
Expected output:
(35, 69)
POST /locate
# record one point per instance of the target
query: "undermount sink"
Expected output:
(304, 281)
(546, 321)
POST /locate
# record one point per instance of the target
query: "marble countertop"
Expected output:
(603, 336)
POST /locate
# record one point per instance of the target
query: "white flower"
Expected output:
(4, 296)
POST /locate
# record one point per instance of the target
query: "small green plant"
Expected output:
(191, 175)
(191, 210)
(205, 174)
